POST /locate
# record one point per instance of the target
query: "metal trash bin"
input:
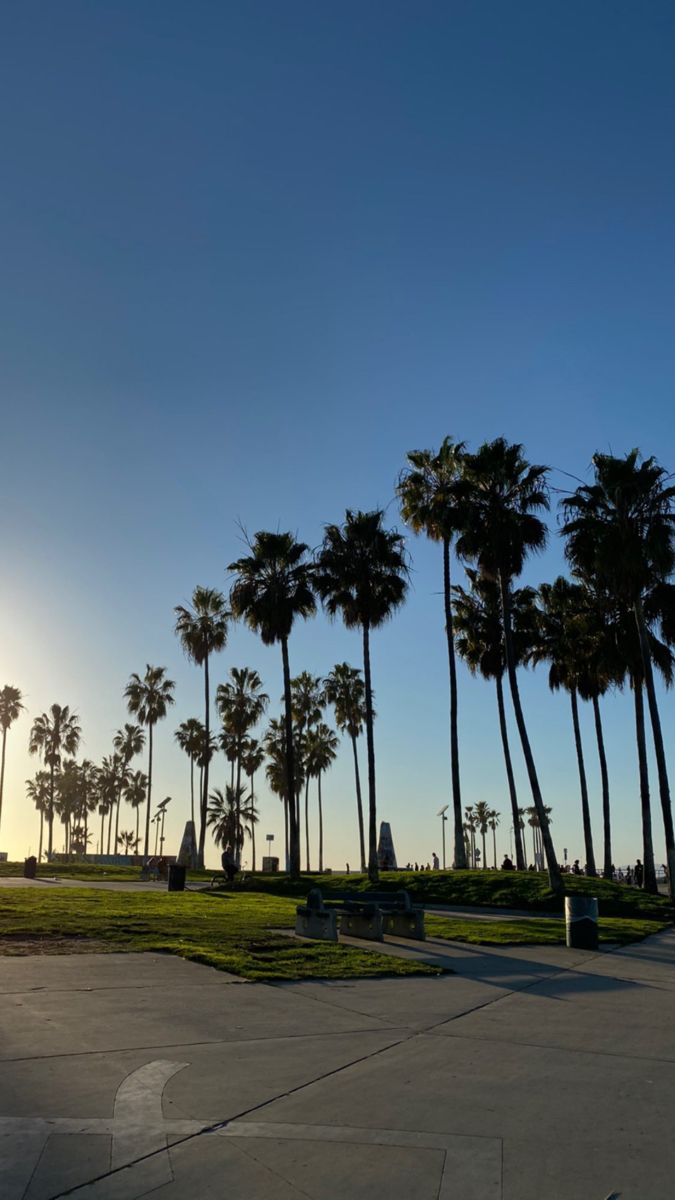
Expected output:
(581, 922)
(176, 878)
(30, 867)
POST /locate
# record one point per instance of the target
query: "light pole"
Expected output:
(441, 813)
(269, 838)
(161, 812)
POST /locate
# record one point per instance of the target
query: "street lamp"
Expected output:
(161, 813)
(269, 838)
(441, 813)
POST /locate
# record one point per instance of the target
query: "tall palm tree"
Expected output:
(148, 698)
(345, 690)
(362, 573)
(272, 588)
(561, 644)
(620, 533)
(470, 826)
(430, 504)
(241, 703)
(276, 768)
(482, 821)
(38, 791)
(52, 734)
(253, 759)
(112, 777)
(127, 840)
(493, 822)
(189, 736)
(10, 708)
(321, 752)
(202, 630)
(66, 802)
(502, 495)
(480, 642)
(128, 742)
(223, 819)
(308, 699)
(135, 792)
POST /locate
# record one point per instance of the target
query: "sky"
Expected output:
(254, 253)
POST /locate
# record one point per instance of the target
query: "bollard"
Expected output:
(581, 922)
(176, 878)
(30, 867)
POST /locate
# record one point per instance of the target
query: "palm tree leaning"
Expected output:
(561, 644)
(321, 751)
(148, 698)
(502, 496)
(189, 738)
(430, 504)
(241, 703)
(52, 734)
(272, 588)
(10, 708)
(620, 533)
(480, 642)
(362, 573)
(202, 631)
(344, 689)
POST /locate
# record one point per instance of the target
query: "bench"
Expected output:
(361, 919)
(314, 920)
(400, 916)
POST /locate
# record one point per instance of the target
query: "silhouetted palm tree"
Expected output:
(52, 734)
(10, 708)
(308, 699)
(344, 689)
(128, 742)
(149, 699)
(271, 590)
(482, 820)
(493, 822)
(276, 768)
(189, 736)
(479, 634)
(241, 703)
(135, 792)
(202, 630)
(38, 791)
(321, 751)
(362, 573)
(620, 534)
(252, 760)
(429, 504)
(502, 495)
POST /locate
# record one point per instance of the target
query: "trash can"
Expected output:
(30, 867)
(176, 878)
(581, 922)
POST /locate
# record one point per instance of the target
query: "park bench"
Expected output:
(314, 920)
(400, 917)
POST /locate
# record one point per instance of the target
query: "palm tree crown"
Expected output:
(202, 627)
(362, 570)
(273, 586)
(149, 697)
(10, 706)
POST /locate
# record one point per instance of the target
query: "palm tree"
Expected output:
(470, 825)
(561, 644)
(362, 573)
(620, 533)
(39, 791)
(344, 689)
(241, 703)
(429, 504)
(502, 495)
(127, 840)
(112, 777)
(202, 630)
(482, 820)
(307, 698)
(148, 699)
(88, 795)
(493, 822)
(135, 792)
(252, 760)
(273, 587)
(66, 802)
(480, 642)
(222, 818)
(128, 742)
(189, 736)
(322, 744)
(276, 769)
(10, 708)
(52, 734)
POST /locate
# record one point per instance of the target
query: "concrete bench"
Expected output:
(361, 920)
(400, 917)
(314, 920)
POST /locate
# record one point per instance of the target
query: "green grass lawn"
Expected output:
(536, 931)
(234, 933)
(87, 871)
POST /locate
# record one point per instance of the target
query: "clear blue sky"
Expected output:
(251, 254)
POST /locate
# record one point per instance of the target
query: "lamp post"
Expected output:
(269, 838)
(441, 813)
(161, 813)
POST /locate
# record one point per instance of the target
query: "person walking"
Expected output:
(639, 873)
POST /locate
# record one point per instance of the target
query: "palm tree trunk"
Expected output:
(555, 878)
(307, 822)
(294, 847)
(286, 847)
(138, 811)
(50, 814)
(503, 729)
(112, 809)
(604, 776)
(192, 789)
(204, 801)
(494, 848)
(86, 825)
(585, 810)
(117, 818)
(460, 855)
(659, 751)
(320, 826)
(146, 852)
(101, 850)
(2, 770)
(42, 825)
(645, 803)
(482, 836)
(373, 872)
(250, 779)
(359, 804)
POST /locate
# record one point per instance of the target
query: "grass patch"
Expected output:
(88, 871)
(236, 933)
(527, 890)
(537, 931)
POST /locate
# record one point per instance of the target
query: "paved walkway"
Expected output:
(531, 1073)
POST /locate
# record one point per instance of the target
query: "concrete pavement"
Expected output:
(531, 1072)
